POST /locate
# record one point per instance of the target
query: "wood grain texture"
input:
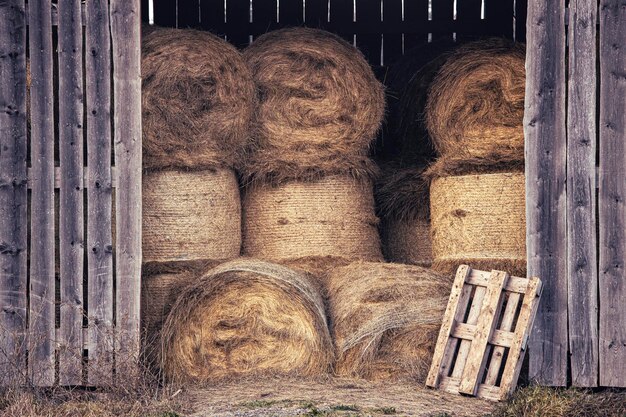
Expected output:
(612, 197)
(508, 318)
(99, 192)
(71, 234)
(581, 195)
(13, 191)
(125, 35)
(545, 139)
(42, 247)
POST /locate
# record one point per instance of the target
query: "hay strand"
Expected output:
(247, 317)
(385, 319)
(320, 106)
(198, 98)
(475, 104)
(407, 241)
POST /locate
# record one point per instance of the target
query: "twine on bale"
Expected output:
(320, 107)
(247, 317)
(191, 215)
(475, 104)
(479, 220)
(198, 98)
(333, 216)
(385, 319)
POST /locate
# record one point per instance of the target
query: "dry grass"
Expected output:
(535, 401)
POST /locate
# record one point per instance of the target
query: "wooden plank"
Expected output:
(487, 321)
(498, 351)
(13, 192)
(612, 194)
(525, 320)
(444, 332)
(472, 319)
(465, 331)
(125, 35)
(513, 284)
(71, 248)
(451, 385)
(582, 274)
(99, 190)
(42, 286)
(545, 138)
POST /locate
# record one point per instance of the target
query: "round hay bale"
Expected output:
(247, 317)
(333, 216)
(317, 267)
(479, 220)
(385, 319)
(407, 241)
(198, 98)
(320, 106)
(475, 104)
(191, 215)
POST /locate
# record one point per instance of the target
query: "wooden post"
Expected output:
(612, 193)
(125, 35)
(42, 287)
(99, 192)
(71, 247)
(581, 195)
(13, 191)
(544, 128)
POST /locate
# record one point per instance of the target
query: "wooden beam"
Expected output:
(125, 34)
(13, 192)
(546, 231)
(612, 197)
(71, 234)
(581, 195)
(42, 246)
(99, 184)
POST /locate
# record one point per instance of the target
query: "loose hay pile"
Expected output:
(475, 105)
(385, 319)
(320, 107)
(247, 317)
(479, 220)
(198, 98)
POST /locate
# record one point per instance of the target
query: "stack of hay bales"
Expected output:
(198, 98)
(385, 319)
(474, 116)
(308, 200)
(247, 318)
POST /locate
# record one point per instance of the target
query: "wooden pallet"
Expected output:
(485, 330)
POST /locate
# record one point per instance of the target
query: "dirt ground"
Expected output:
(334, 397)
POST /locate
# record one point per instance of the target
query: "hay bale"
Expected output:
(198, 98)
(247, 317)
(320, 107)
(191, 215)
(331, 217)
(475, 104)
(385, 319)
(407, 241)
(479, 220)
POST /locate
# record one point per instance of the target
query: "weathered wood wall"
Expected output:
(62, 302)
(580, 331)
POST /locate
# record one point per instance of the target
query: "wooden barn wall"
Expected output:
(69, 292)
(576, 187)
(382, 29)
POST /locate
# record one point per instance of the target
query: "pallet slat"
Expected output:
(13, 192)
(42, 248)
(468, 341)
(612, 194)
(582, 275)
(98, 182)
(70, 343)
(545, 139)
(126, 48)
